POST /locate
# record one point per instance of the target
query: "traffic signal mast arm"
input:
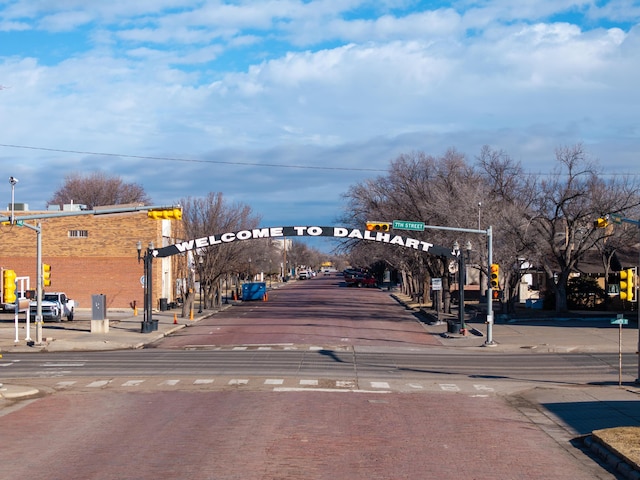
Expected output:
(102, 211)
(603, 222)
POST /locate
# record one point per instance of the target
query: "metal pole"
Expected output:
(489, 342)
(149, 257)
(461, 281)
(38, 284)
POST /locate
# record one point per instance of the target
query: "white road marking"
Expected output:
(50, 364)
(380, 385)
(311, 383)
(203, 381)
(99, 383)
(415, 385)
(240, 348)
(6, 364)
(449, 387)
(238, 381)
(345, 384)
(170, 382)
(132, 383)
(274, 381)
(483, 388)
(65, 384)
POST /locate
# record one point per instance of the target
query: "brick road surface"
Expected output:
(237, 434)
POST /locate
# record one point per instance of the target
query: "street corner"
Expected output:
(16, 392)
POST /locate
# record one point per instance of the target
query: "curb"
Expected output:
(617, 463)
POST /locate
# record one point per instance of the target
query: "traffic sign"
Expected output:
(619, 321)
(408, 225)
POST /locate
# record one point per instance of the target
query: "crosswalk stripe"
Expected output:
(380, 385)
(99, 383)
(449, 387)
(238, 381)
(170, 382)
(132, 383)
(274, 381)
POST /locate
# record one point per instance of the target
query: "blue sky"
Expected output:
(283, 104)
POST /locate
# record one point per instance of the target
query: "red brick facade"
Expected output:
(91, 254)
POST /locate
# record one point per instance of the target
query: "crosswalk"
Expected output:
(279, 385)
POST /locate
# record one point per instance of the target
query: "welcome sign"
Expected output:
(304, 231)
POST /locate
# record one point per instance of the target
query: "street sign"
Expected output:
(408, 225)
(619, 321)
(436, 284)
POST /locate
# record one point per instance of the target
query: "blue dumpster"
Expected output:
(254, 291)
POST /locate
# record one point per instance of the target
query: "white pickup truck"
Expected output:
(55, 305)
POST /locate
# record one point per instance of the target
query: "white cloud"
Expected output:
(309, 84)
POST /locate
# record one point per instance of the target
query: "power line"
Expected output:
(192, 160)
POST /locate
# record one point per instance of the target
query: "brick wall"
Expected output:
(105, 262)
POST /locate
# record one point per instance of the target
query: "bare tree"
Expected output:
(551, 217)
(97, 189)
(209, 216)
(436, 190)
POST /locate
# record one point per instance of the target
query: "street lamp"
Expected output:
(13, 181)
(462, 256)
(201, 267)
(147, 322)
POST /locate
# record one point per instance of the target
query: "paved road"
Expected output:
(370, 394)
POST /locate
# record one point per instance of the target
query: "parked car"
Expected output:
(55, 305)
(361, 280)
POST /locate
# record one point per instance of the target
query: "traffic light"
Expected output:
(46, 274)
(378, 226)
(627, 285)
(494, 276)
(9, 286)
(601, 223)
(166, 214)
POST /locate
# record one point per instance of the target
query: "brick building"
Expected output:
(93, 254)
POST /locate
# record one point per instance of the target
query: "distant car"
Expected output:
(304, 275)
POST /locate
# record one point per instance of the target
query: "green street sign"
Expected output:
(407, 225)
(620, 321)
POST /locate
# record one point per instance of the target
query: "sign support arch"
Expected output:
(390, 238)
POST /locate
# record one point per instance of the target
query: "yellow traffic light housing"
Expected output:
(627, 285)
(46, 275)
(494, 276)
(166, 214)
(601, 223)
(9, 286)
(378, 226)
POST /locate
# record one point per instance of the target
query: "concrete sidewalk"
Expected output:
(124, 331)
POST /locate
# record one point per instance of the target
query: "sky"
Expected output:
(283, 105)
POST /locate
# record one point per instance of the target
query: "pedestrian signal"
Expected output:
(378, 226)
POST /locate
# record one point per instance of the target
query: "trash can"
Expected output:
(453, 326)
(164, 304)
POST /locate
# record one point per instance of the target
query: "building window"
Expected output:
(78, 233)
